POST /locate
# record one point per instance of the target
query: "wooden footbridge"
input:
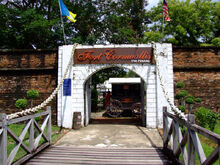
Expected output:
(180, 138)
(95, 156)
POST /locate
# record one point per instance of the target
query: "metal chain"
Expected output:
(50, 98)
(173, 107)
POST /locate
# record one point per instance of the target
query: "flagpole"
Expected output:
(64, 38)
(162, 23)
(64, 35)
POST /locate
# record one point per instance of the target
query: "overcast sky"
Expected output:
(152, 3)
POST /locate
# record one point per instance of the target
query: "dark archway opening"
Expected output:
(127, 97)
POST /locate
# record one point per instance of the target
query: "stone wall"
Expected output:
(21, 70)
(199, 69)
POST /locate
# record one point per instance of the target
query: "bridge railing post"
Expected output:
(49, 124)
(3, 139)
(191, 148)
(31, 135)
(189, 139)
(164, 126)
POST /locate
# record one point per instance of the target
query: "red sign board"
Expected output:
(113, 55)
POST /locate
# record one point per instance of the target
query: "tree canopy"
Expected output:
(104, 74)
(35, 24)
(28, 24)
(192, 22)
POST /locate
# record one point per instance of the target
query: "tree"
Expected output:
(36, 24)
(106, 21)
(123, 22)
(216, 41)
(32, 94)
(217, 20)
(21, 104)
(192, 22)
(184, 98)
(104, 74)
(28, 24)
(130, 73)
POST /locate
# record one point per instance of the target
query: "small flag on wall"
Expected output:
(65, 12)
(165, 11)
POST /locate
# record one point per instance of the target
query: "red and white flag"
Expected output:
(165, 11)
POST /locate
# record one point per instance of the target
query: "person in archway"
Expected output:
(107, 100)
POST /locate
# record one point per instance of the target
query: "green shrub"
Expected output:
(100, 100)
(94, 95)
(216, 41)
(32, 94)
(212, 119)
(182, 108)
(177, 96)
(180, 85)
(190, 96)
(189, 99)
(201, 116)
(21, 103)
(39, 118)
(198, 100)
(206, 117)
(183, 130)
(181, 94)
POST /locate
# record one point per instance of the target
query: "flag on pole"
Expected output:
(165, 11)
(65, 12)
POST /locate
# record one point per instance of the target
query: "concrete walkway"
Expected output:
(112, 136)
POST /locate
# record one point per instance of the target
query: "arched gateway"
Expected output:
(75, 94)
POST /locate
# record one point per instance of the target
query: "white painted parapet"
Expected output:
(165, 59)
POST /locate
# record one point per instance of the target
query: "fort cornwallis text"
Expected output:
(102, 56)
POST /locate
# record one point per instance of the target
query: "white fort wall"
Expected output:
(79, 74)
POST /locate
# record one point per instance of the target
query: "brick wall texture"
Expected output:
(199, 69)
(21, 70)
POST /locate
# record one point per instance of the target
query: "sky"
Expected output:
(152, 3)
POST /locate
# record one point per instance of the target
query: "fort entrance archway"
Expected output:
(89, 59)
(127, 95)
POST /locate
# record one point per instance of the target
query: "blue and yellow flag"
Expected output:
(65, 12)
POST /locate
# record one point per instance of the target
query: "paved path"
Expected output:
(107, 135)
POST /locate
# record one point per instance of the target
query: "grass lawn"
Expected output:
(207, 145)
(17, 129)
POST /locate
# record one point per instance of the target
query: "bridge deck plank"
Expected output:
(69, 155)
